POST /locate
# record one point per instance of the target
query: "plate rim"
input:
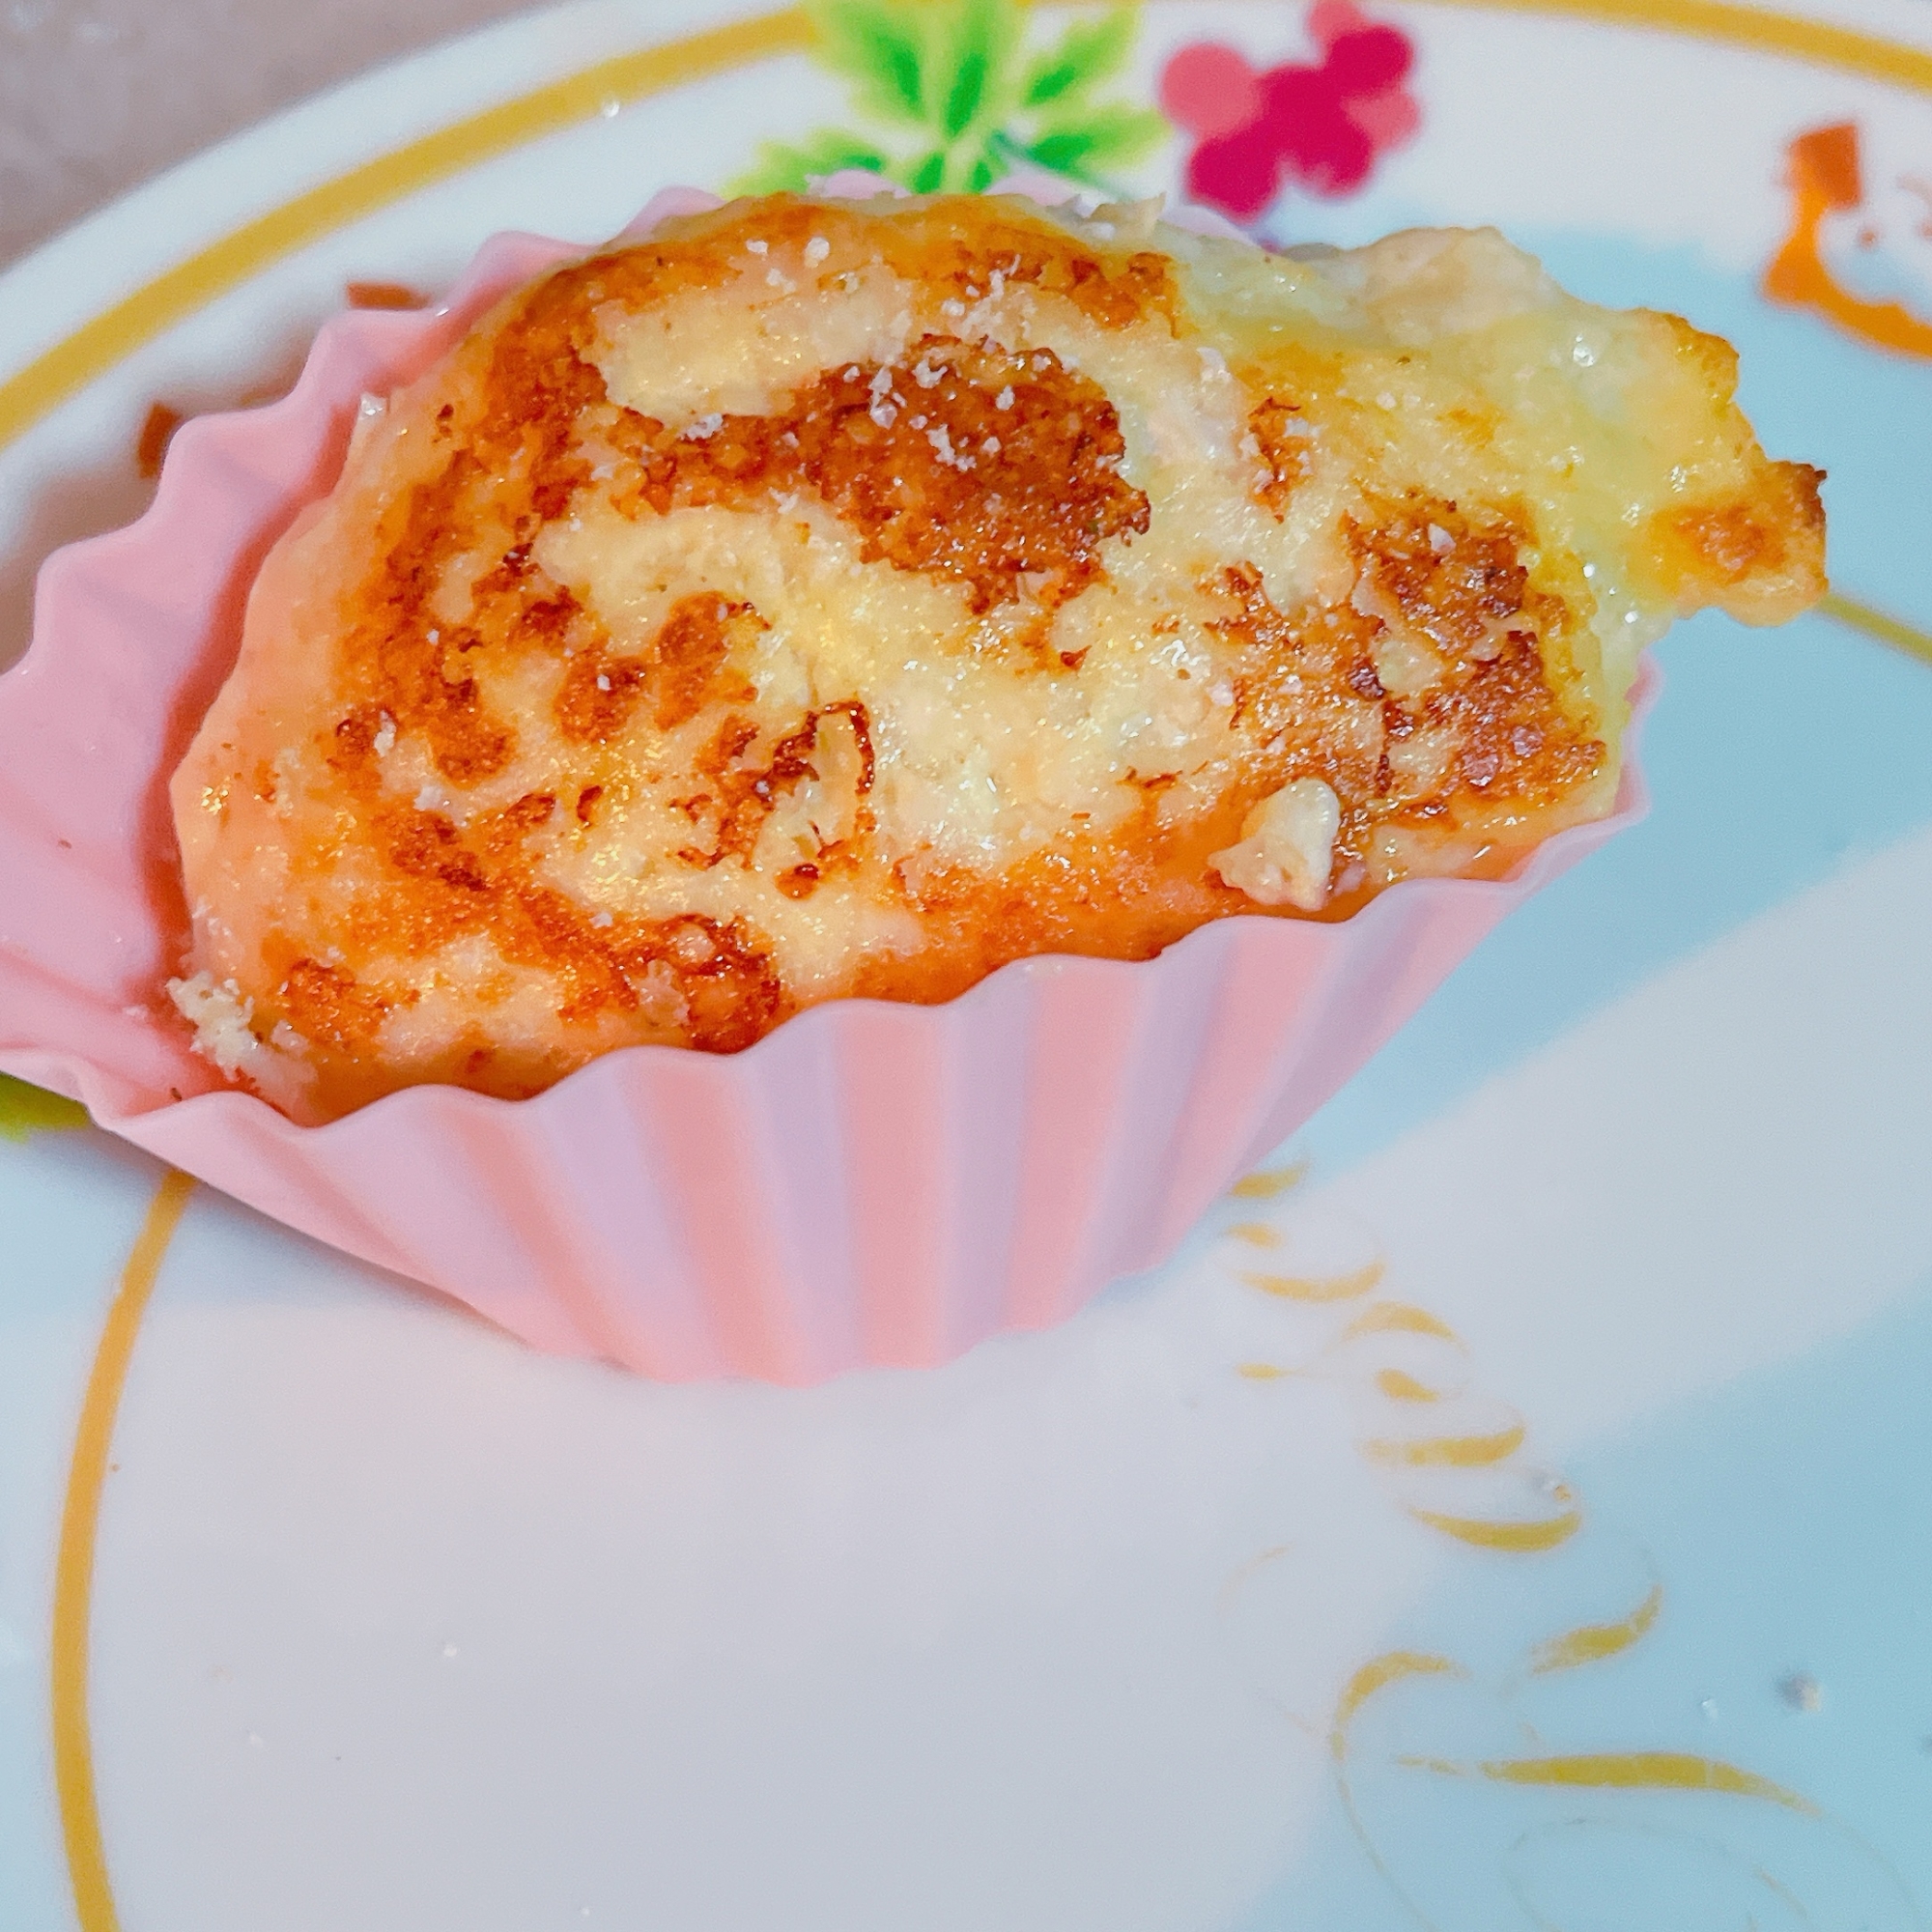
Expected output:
(34, 391)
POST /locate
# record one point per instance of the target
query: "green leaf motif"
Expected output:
(1107, 137)
(26, 1109)
(979, 52)
(784, 165)
(1088, 52)
(959, 102)
(969, 88)
(882, 47)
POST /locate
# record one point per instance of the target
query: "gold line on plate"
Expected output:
(172, 297)
(1818, 43)
(74, 1563)
(1591, 1643)
(98, 344)
(1641, 1770)
(1862, 617)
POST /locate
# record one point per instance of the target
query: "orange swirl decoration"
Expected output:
(1824, 177)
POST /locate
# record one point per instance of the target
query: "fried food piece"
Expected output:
(823, 599)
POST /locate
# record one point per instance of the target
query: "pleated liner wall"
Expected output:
(870, 1184)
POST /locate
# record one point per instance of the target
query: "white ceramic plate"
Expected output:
(1523, 1519)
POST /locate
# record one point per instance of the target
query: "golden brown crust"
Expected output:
(1427, 654)
(954, 246)
(998, 468)
(971, 464)
(1281, 437)
(1761, 558)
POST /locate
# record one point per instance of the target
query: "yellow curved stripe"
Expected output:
(1257, 1234)
(1318, 1288)
(1399, 1318)
(1591, 1643)
(1448, 1452)
(1399, 1385)
(170, 298)
(1857, 616)
(1814, 41)
(1261, 1372)
(1642, 1770)
(1519, 1537)
(97, 345)
(1267, 1183)
(73, 1564)
(1377, 1675)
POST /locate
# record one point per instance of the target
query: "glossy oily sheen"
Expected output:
(870, 1184)
(813, 600)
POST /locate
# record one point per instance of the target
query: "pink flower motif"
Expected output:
(1319, 126)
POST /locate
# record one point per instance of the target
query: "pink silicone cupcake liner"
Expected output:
(870, 1184)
